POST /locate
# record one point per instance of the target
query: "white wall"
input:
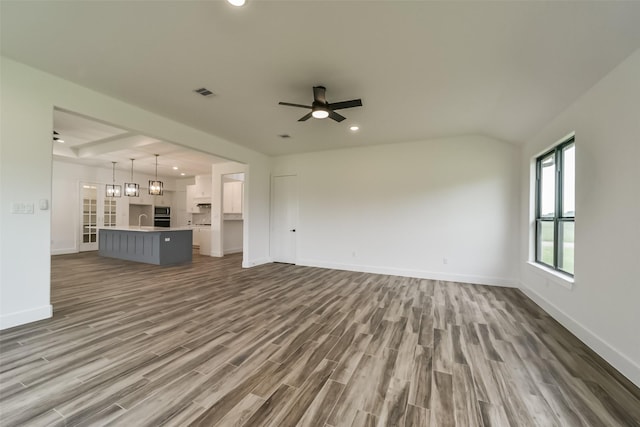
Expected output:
(603, 306)
(25, 176)
(402, 208)
(232, 236)
(28, 99)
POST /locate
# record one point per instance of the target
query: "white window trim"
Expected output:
(552, 275)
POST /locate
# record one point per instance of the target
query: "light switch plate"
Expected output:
(22, 208)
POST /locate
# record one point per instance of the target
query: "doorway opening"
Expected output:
(232, 212)
(84, 152)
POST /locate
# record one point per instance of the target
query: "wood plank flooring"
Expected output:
(211, 344)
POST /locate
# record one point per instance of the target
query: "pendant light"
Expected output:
(113, 190)
(131, 189)
(155, 187)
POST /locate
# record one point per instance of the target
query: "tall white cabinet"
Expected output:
(232, 197)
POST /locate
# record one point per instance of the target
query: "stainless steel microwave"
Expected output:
(162, 211)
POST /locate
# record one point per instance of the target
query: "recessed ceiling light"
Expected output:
(182, 173)
(354, 128)
(236, 2)
(60, 141)
(175, 168)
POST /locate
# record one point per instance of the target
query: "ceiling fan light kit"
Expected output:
(321, 109)
(319, 113)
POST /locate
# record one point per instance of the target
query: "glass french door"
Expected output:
(89, 217)
(96, 211)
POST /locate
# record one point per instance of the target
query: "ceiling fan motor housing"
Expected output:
(321, 109)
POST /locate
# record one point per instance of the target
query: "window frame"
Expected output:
(558, 217)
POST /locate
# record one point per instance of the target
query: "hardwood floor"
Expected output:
(212, 344)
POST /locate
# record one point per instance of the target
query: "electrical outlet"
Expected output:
(353, 254)
(445, 261)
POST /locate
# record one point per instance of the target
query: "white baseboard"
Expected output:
(421, 274)
(64, 251)
(617, 359)
(25, 316)
(232, 251)
(255, 262)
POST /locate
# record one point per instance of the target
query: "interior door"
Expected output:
(96, 211)
(284, 218)
(88, 217)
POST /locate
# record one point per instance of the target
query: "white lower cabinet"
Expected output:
(202, 239)
(205, 241)
(196, 236)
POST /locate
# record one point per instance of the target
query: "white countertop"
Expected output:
(146, 229)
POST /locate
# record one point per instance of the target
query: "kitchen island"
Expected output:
(151, 245)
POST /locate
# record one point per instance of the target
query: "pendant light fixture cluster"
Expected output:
(156, 187)
(131, 189)
(113, 190)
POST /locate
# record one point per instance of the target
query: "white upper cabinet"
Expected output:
(232, 197)
(144, 198)
(165, 200)
(203, 186)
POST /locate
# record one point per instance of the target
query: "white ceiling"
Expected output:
(92, 143)
(423, 69)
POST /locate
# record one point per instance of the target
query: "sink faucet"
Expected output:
(140, 219)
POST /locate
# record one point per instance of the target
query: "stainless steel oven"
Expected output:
(162, 216)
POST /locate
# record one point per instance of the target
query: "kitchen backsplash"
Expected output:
(201, 218)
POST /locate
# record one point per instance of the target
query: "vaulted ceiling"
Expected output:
(423, 69)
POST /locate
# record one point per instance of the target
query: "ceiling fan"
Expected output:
(321, 109)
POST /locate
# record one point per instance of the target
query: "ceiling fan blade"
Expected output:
(319, 94)
(294, 105)
(305, 118)
(335, 116)
(346, 104)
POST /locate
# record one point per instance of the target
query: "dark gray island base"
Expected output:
(151, 245)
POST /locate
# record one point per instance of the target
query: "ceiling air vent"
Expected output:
(204, 91)
(285, 136)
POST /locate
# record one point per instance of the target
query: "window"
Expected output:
(556, 207)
